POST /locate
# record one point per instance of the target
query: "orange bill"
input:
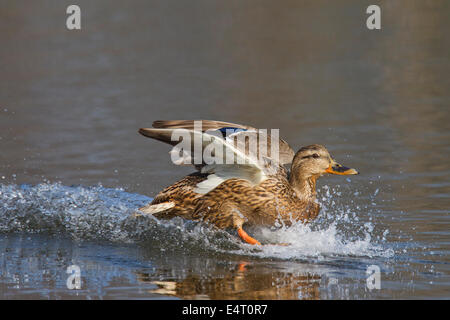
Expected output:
(336, 168)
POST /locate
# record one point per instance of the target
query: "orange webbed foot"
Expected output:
(244, 236)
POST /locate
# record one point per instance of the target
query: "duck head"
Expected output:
(311, 162)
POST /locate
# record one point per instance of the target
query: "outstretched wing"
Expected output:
(285, 152)
(223, 150)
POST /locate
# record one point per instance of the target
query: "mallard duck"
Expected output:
(257, 192)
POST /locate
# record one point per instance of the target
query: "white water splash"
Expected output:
(301, 241)
(87, 213)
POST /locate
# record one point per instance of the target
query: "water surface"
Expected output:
(73, 168)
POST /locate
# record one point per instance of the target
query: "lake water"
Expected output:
(73, 168)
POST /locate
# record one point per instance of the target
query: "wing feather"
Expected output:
(247, 162)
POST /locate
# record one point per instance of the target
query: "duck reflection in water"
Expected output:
(240, 283)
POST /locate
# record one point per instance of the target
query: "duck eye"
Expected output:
(315, 156)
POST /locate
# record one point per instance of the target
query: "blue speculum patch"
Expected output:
(230, 130)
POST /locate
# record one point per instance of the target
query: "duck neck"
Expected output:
(304, 187)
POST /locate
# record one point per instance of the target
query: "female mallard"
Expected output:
(257, 191)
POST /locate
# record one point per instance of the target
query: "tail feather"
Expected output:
(155, 208)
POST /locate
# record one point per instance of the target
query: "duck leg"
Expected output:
(244, 236)
(228, 214)
(236, 213)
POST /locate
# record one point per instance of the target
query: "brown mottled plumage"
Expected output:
(237, 200)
